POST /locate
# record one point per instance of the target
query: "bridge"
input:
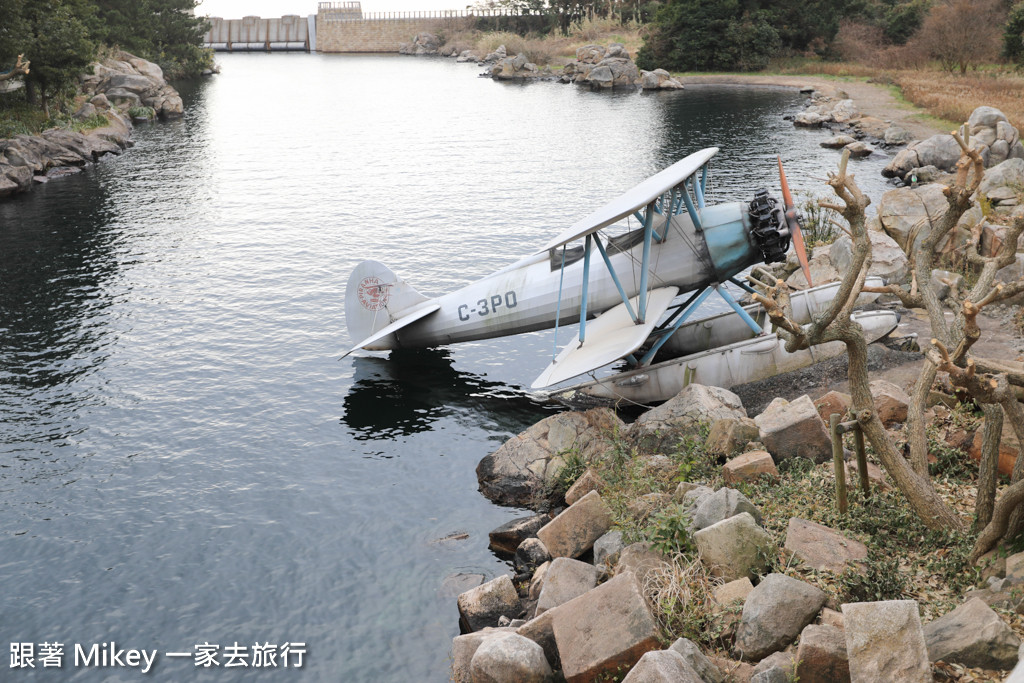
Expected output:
(337, 27)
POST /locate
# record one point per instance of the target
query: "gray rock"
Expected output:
(822, 548)
(859, 149)
(837, 142)
(659, 79)
(775, 668)
(941, 151)
(793, 429)
(608, 547)
(565, 579)
(590, 54)
(972, 635)
(708, 672)
(640, 559)
(734, 548)
(509, 658)
(723, 504)
(662, 666)
(888, 260)
(522, 470)
(845, 111)
(809, 119)
(885, 642)
(484, 605)
(775, 613)
(894, 135)
(694, 405)
(507, 537)
(907, 214)
(463, 649)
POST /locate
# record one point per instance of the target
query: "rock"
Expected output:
(775, 668)
(822, 656)
(694, 405)
(531, 553)
(1003, 185)
(822, 548)
(573, 532)
(888, 260)
(1015, 566)
(837, 142)
(616, 50)
(701, 665)
(537, 581)
(608, 547)
(734, 548)
(612, 72)
(749, 467)
(894, 135)
(775, 613)
(722, 504)
(876, 476)
(539, 631)
(497, 55)
(845, 111)
(859, 149)
(728, 434)
(507, 537)
(941, 151)
(907, 213)
(590, 54)
(460, 582)
(565, 580)
(648, 504)
(833, 402)
(1008, 448)
(732, 592)
(606, 628)
(972, 635)
(809, 119)
(692, 497)
(463, 649)
(659, 79)
(821, 268)
(891, 402)
(484, 605)
(514, 68)
(943, 280)
(588, 481)
(830, 617)
(509, 658)
(922, 174)
(885, 642)
(522, 470)
(662, 666)
(640, 559)
(794, 429)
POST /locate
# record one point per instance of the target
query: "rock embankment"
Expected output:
(117, 84)
(587, 604)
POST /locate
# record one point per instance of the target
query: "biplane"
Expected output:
(631, 293)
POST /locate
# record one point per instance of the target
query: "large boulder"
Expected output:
(749, 467)
(708, 672)
(891, 403)
(514, 69)
(127, 81)
(659, 79)
(885, 642)
(888, 260)
(793, 429)
(972, 635)
(509, 658)
(521, 472)
(695, 405)
(573, 532)
(729, 434)
(941, 151)
(1003, 185)
(484, 605)
(641, 560)
(606, 628)
(907, 214)
(507, 537)
(463, 649)
(775, 613)
(734, 548)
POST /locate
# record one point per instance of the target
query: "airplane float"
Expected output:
(629, 307)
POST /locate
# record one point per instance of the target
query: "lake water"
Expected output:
(184, 460)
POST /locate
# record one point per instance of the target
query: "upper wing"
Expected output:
(636, 198)
(610, 336)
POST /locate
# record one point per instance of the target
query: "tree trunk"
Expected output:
(989, 467)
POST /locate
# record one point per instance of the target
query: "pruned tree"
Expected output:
(988, 382)
(961, 33)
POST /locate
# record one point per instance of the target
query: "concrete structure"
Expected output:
(287, 33)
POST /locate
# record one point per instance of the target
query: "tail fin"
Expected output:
(374, 298)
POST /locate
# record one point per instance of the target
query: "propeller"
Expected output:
(794, 225)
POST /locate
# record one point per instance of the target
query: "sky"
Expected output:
(236, 9)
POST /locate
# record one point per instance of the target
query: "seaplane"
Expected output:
(632, 306)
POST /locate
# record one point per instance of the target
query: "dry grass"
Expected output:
(954, 97)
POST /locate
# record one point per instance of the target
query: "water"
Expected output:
(183, 460)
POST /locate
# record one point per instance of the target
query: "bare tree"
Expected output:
(961, 33)
(20, 69)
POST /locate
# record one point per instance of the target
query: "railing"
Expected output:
(330, 11)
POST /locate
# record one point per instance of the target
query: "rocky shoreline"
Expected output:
(120, 86)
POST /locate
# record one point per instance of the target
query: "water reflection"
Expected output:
(409, 391)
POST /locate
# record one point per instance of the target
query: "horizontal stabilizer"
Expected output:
(610, 336)
(635, 199)
(419, 313)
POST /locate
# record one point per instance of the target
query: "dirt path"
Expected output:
(871, 98)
